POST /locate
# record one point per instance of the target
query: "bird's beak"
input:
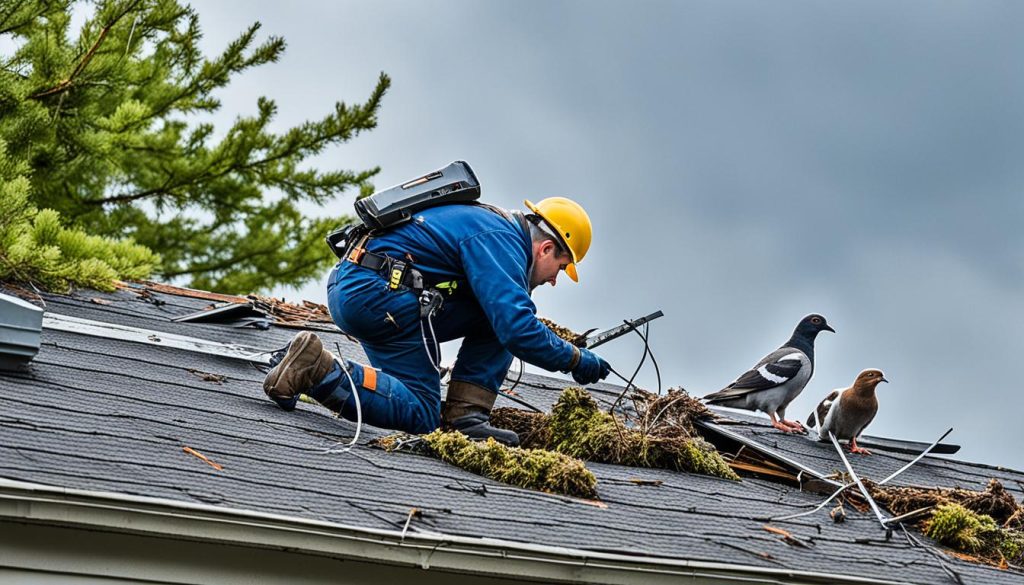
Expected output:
(884, 380)
(828, 328)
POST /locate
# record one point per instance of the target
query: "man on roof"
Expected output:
(487, 261)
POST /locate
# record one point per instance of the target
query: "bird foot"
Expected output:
(862, 450)
(795, 425)
(782, 426)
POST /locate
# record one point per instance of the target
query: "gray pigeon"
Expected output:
(778, 378)
(847, 412)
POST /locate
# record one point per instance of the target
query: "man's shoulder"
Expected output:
(468, 216)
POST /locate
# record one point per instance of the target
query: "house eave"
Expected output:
(112, 512)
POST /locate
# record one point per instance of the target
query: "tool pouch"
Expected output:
(341, 240)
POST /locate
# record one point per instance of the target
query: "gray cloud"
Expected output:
(745, 163)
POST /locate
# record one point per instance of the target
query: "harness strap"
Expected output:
(400, 273)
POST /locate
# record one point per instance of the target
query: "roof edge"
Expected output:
(42, 504)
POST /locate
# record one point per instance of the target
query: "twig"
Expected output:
(908, 515)
(66, 84)
(195, 453)
(412, 512)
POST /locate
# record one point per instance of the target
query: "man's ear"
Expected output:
(547, 247)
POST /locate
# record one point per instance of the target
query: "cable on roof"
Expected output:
(522, 366)
(646, 336)
(851, 484)
(359, 407)
(508, 393)
(938, 556)
(643, 358)
(860, 485)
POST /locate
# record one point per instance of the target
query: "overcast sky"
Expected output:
(744, 163)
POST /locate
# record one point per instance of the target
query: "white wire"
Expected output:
(437, 349)
(359, 411)
(851, 484)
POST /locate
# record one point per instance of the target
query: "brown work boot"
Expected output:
(467, 409)
(305, 364)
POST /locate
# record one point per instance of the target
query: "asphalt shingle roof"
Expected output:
(110, 415)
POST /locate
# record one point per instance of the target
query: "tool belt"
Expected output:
(349, 243)
(398, 273)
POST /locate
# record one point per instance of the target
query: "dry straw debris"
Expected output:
(536, 469)
(577, 339)
(986, 526)
(662, 435)
(555, 446)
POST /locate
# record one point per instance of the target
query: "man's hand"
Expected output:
(590, 368)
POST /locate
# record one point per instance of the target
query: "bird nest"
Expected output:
(537, 469)
(577, 339)
(660, 435)
(986, 526)
(554, 447)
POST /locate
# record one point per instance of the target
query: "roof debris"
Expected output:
(537, 469)
(284, 313)
(209, 461)
(786, 535)
(663, 435)
(208, 377)
(577, 339)
(985, 525)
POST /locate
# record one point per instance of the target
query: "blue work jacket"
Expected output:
(491, 254)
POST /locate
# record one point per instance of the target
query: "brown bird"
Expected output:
(847, 412)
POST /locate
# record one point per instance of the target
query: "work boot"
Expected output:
(467, 409)
(302, 367)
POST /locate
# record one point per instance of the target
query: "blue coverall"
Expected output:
(497, 317)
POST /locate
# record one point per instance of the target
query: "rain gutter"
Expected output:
(49, 505)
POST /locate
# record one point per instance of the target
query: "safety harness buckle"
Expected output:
(356, 255)
(397, 274)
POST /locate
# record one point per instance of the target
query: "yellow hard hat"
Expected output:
(572, 224)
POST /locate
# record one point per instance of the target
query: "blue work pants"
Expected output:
(387, 324)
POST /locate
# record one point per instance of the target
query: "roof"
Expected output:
(108, 416)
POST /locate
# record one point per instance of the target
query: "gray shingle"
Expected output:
(108, 415)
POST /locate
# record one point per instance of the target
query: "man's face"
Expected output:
(548, 261)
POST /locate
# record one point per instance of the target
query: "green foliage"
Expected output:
(36, 248)
(108, 121)
(955, 526)
(527, 468)
(961, 529)
(578, 427)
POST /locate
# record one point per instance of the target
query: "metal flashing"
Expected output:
(21, 325)
(779, 465)
(80, 326)
(230, 314)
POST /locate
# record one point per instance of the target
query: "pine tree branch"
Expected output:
(167, 189)
(4, 28)
(66, 84)
(228, 263)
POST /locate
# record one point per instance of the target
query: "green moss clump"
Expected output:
(552, 446)
(957, 527)
(985, 524)
(527, 468)
(966, 531)
(700, 456)
(578, 427)
(1012, 546)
